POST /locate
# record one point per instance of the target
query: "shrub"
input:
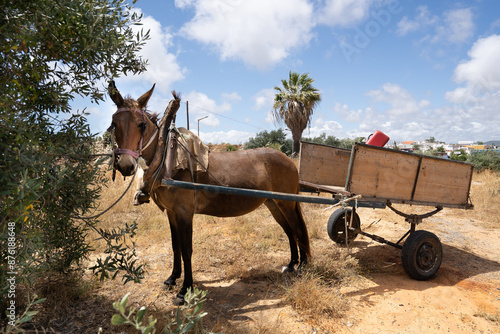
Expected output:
(275, 139)
(49, 176)
(333, 141)
(188, 316)
(487, 159)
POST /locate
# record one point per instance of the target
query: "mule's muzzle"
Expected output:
(125, 164)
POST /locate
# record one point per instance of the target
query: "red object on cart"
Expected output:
(378, 138)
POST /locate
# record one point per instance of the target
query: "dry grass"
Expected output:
(246, 249)
(493, 317)
(316, 291)
(485, 195)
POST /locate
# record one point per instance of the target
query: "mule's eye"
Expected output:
(142, 126)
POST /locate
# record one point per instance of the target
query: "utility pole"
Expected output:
(187, 113)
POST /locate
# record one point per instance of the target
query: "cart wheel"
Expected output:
(336, 225)
(422, 255)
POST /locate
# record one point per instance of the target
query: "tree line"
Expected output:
(277, 139)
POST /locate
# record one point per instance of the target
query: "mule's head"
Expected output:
(129, 126)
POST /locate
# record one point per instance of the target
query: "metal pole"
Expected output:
(255, 193)
(199, 119)
(187, 113)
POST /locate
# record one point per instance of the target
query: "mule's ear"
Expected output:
(143, 100)
(115, 94)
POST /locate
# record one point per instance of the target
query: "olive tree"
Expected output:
(50, 52)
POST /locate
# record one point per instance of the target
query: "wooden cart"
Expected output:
(369, 176)
(383, 177)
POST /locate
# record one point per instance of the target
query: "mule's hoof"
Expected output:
(169, 282)
(287, 270)
(179, 300)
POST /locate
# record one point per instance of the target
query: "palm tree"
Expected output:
(294, 104)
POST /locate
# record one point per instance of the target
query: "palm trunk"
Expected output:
(296, 135)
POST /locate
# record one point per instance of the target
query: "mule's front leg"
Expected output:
(176, 248)
(186, 239)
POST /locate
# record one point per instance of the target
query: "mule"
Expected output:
(262, 169)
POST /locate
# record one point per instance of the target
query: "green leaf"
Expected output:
(123, 303)
(41, 300)
(141, 313)
(117, 320)
(28, 316)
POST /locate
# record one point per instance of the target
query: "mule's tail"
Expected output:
(303, 237)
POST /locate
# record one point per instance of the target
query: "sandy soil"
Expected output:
(466, 288)
(465, 292)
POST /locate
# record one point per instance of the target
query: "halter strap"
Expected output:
(135, 154)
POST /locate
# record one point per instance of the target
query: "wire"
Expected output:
(229, 118)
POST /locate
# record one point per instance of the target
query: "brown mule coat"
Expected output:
(262, 169)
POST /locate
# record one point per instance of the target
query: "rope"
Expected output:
(112, 205)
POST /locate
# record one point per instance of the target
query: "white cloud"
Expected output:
(400, 100)
(259, 32)
(455, 26)
(232, 137)
(344, 13)
(264, 99)
(231, 97)
(481, 72)
(163, 68)
(423, 19)
(478, 99)
(200, 105)
(347, 114)
(472, 114)
(330, 128)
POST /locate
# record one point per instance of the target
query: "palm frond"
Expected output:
(295, 102)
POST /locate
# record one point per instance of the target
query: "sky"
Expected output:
(411, 69)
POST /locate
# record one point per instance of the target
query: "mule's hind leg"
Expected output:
(278, 216)
(176, 248)
(293, 215)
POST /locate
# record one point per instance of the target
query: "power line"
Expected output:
(229, 118)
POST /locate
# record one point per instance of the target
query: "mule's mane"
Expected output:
(131, 104)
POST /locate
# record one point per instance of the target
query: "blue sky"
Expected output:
(412, 69)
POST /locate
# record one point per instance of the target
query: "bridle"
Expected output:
(133, 153)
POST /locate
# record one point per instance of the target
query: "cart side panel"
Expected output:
(443, 181)
(408, 178)
(382, 173)
(323, 165)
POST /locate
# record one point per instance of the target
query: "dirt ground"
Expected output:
(241, 270)
(458, 300)
(462, 298)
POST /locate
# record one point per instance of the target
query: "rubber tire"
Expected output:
(422, 255)
(336, 226)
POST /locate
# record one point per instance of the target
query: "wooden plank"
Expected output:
(383, 173)
(443, 181)
(322, 164)
(325, 188)
(408, 178)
